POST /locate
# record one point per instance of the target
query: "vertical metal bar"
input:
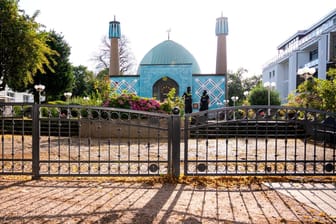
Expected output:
(266, 146)
(256, 144)
(13, 137)
(324, 141)
(36, 141)
(217, 134)
(333, 142)
(276, 143)
(59, 144)
(207, 148)
(128, 144)
(79, 144)
(226, 145)
(148, 143)
(49, 140)
(169, 151)
(69, 140)
(305, 145)
(246, 140)
(99, 146)
(2, 140)
(158, 149)
(139, 147)
(237, 146)
(22, 141)
(295, 144)
(176, 138)
(314, 128)
(286, 139)
(198, 136)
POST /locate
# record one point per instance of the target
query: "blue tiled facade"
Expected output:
(142, 84)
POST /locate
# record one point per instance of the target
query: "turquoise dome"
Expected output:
(170, 52)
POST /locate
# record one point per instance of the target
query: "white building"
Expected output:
(312, 48)
(8, 95)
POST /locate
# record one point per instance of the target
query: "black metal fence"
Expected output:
(260, 141)
(72, 140)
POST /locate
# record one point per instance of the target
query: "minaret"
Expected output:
(222, 31)
(114, 35)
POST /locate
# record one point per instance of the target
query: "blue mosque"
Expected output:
(169, 65)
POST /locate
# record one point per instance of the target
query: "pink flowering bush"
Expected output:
(134, 102)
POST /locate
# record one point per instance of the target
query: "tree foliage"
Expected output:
(259, 96)
(59, 78)
(327, 91)
(237, 84)
(102, 87)
(84, 80)
(317, 93)
(23, 47)
(251, 82)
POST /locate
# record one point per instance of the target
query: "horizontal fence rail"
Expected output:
(73, 140)
(260, 141)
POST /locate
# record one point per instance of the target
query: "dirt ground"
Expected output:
(75, 200)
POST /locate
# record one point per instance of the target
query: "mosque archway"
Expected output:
(162, 87)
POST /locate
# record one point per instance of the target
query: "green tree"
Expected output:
(327, 91)
(251, 82)
(316, 93)
(83, 84)
(235, 85)
(102, 74)
(259, 96)
(24, 50)
(59, 78)
(102, 86)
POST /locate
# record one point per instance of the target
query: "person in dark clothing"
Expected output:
(204, 102)
(187, 101)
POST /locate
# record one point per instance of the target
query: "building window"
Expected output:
(313, 55)
(25, 98)
(10, 94)
(333, 46)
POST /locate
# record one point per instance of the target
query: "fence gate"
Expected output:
(260, 141)
(68, 140)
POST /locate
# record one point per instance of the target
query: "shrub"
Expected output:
(133, 102)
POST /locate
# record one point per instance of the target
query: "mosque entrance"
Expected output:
(162, 87)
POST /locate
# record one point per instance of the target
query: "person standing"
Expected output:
(204, 101)
(187, 101)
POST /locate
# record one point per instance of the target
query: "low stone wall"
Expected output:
(157, 128)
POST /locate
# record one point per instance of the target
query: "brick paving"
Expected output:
(107, 201)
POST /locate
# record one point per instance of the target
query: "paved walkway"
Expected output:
(320, 196)
(106, 201)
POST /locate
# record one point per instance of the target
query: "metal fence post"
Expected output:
(176, 139)
(36, 141)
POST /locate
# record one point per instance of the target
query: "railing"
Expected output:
(288, 141)
(69, 140)
(58, 140)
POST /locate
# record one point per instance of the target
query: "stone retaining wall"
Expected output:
(124, 128)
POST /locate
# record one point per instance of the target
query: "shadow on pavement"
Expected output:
(86, 201)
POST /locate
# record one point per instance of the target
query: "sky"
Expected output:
(256, 27)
